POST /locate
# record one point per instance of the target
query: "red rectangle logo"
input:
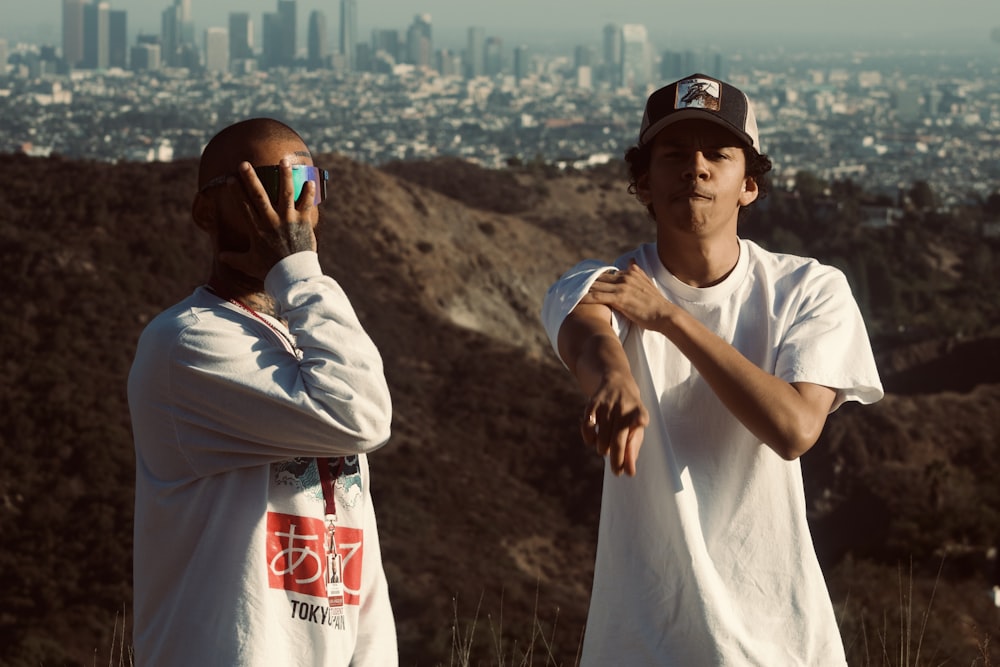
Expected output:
(296, 556)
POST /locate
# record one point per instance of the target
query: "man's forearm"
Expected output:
(786, 417)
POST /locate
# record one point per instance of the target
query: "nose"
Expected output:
(696, 168)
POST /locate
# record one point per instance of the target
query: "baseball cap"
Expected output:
(700, 97)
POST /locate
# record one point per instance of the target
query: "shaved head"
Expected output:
(245, 141)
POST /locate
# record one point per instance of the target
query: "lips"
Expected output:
(692, 194)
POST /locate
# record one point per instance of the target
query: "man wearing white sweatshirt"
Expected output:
(254, 404)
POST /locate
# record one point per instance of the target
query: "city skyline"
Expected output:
(851, 23)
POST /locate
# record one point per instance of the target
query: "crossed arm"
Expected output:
(788, 417)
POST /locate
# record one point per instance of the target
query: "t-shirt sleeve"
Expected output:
(564, 295)
(827, 342)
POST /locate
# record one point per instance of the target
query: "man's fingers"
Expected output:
(617, 453)
(632, 447)
(308, 196)
(255, 192)
(286, 193)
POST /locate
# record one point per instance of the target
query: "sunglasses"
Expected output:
(270, 178)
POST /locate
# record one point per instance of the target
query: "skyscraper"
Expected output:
(493, 56)
(96, 35)
(270, 40)
(316, 43)
(522, 62)
(419, 44)
(612, 53)
(117, 38)
(240, 36)
(170, 36)
(474, 46)
(583, 56)
(636, 62)
(672, 66)
(145, 55)
(72, 36)
(288, 48)
(348, 32)
(386, 42)
(216, 49)
(185, 21)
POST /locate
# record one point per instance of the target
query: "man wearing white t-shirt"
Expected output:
(719, 362)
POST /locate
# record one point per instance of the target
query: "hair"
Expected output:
(235, 143)
(757, 166)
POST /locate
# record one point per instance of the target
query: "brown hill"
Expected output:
(487, 502)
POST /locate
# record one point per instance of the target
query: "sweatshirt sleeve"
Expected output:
(214, 389)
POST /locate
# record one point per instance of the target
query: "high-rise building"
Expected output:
(387, 42)
(72, 32)
(185, 21)
(583, 56)
(96, 35)
(316, 42)
(349, 32)
(474, 51)
(288, 48)
(672, 66)
(216, 50)
(493, 56)
(270, 40)
(118, 38)
(240, 36)
(419, 42)
(363, 57)
(636, 62)
(145, 55)
(522, 62)
(448, 63)
(170, 36)
(612, 53)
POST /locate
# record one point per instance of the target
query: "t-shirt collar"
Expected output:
(674, 287)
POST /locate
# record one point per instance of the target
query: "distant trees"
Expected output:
(927, 271)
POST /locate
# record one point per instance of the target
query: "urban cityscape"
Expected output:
(881, 117)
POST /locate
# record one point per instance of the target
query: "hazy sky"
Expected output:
(709, 22)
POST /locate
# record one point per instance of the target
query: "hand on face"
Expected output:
(275, 231)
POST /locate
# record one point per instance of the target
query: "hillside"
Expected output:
(487, 502)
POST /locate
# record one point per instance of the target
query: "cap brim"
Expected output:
(694, 114)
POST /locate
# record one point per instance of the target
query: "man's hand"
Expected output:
(632, 294)
(615, 421)
(275, 231)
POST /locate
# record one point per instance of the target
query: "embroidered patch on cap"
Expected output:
(698, 94)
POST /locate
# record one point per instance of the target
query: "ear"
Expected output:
(748, 194)
(642, 192)
(203, 211)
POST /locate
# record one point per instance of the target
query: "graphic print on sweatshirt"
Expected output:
(297, 553)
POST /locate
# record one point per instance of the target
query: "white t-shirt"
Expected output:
(705, 557)
(233, 417)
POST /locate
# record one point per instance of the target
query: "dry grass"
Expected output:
(537, 650)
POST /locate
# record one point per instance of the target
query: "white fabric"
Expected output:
(228, 421)
(705, 557)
